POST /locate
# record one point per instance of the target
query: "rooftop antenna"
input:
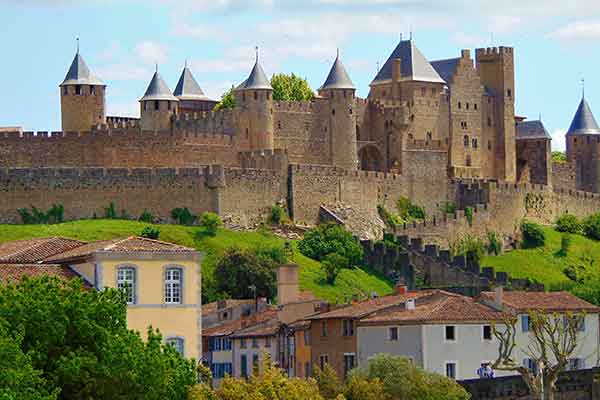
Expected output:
(77, 45)
(540, 117)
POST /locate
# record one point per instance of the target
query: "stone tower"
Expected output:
(254, 96)
(158, 106)
(190, 94)
(340, 93)
(82, 98)
(583, 148)
(496, 69)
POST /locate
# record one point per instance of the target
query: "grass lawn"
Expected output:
(349, 282)
(546, 264)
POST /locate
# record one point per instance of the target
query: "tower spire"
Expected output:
(256, 49)
(337, 54)
(156, 69)
(582, 88)
(77, 40)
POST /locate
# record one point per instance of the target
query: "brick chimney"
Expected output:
(498, 298)
(401, 288)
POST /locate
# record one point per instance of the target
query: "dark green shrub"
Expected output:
(471, 247)
(389, 218)
(568, 223)
(469, 215)
(533, 234)
(125, 214)
(448, 207)
(54, 215)
(565, 244)
(183, 216)
(110, 212)
(150, 232)
(408, 210)
(332, 265)
(591, 226)
(146, 216)
(211, 222)
(331, 238)
(416, 212)
(277, 216)
(494, 243)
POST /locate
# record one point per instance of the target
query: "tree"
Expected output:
(291, 88)
(328, 382)
(211, 222)
(227, 100)
(78, 340)
(150, 232)
(554, 339)
(331, 238)
(238, 271)
(360, 387)
(332, 265)
(401, 379)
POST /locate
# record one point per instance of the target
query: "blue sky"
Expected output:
(121, 40)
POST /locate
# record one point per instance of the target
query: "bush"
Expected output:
(568, 223)
(278, 215)
(591, 226)
(494, 243)
(389, 218)
(110, 212)
(183, 216)
(211, 222)
(331, 238)
(147, 217)
(332, 265)
(408, 210)
(469, 215)
(533, 234)
(448, 207)
(471, 247)
(150, 232)
(565, 244)
(54, 215)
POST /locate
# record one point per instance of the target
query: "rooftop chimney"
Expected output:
(410, 304)
(288, 287)
(498, 297)
(401, 288)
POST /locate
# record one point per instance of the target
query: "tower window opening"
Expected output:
(268, 96)
(466, 140)
(489, 145)
(509, 92)
(429, 135)
(333, 112)
(489, 121)
(474, 143)
(467, 106)
(156, 105)
(350, 110)
(78, 90)
(423, 91)
(65, 91)
(168, 105)
(243, 96)
(459, 105)
(475, 106)
(255, 95)
(93, 90)
(278, 124)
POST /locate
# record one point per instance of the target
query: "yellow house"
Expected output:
(162, 283)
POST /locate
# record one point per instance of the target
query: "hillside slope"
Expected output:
(349, 282)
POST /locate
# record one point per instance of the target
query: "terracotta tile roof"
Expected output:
(231, 327)
(299, 325)
(543, 301)
(266, 328)
(16, 272)
(214, 306)
(35, 250)
(438, 307)
(132, 244)
(363, 308)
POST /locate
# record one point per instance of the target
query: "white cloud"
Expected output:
(578, 30)
(467, 40)
(558, 139)
(124, 72)
(151, 52)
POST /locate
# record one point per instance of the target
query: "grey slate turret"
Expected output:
(158, 90)
(583, 122)
(413, 65)
(256, 80)
(80, 74)
(188, 88)
(338, 77)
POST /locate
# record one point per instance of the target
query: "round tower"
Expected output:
(82, 98)
(158, 107)
(340, 93)
(255, 99)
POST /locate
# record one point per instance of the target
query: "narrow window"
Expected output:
(474, 143)
(489, 121)
(467, 106)
(323, 360)
(324, 328)
(177, 343)
(348, 363)
(254, 343)
(268, 341)
(307, 337)
(173, 280)
(93, 90)
(244, 365)
(459, 105)
(348, 327)
(278, 124)
(451, 370)
(433, 91)
(423, 92)
(243, 96)
(255, 95)
(333, 112)
(126, 283)
(393, 334)
(475, 106)
(350, 110)
(65, 91)
(509, 92)
(429, 135)
(489, 145)
(156, 105)
(255, 361)
(268, 96)
(525, 323)
(450, 332)
(78, 90)
(243, 343)
(487, 332)
(466, 140)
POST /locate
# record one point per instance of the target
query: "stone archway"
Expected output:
(370, 158)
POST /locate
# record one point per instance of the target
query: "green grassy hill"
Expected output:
(546, 264)
(350, 281)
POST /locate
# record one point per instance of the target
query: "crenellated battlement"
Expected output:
(327, 170)
(264, 159)
(16, 175)
(295, 106)
(493, 52)
(204, 115)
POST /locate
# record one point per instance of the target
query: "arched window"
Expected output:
(467, 106)
(93, 90)
(178, 344)
(466, 140)
(173, 285)
(489, 121)
(333, 112)
(459, 105)
(126, 282)
(475, 106)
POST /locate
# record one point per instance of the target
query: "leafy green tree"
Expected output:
(332, 265)
(331, 238)
(401, 379)
(183, 216)
(568, 223)
(591, 226)
(150, 232)
(146, 216)
(211, 222)
(328, 382)
(78, 339)
(359, 387)
(239, 270)
(533, 234)
(227, 100)
(290, 87)
(559, 156)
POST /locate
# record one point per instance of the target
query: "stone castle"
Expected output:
(426, 131)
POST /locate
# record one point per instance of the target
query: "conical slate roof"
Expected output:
(80, 74)
(413, 65)
(187, 88)
(256, 80)
(583, 121)
(338, 77)
(158, 90)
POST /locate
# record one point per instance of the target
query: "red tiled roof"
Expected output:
(231, 327)
(131, 244)
(265, 328)
(35, 250)
(16, 272)
(366, 307)
(521, 301)
(214, 306)
(440, 306)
